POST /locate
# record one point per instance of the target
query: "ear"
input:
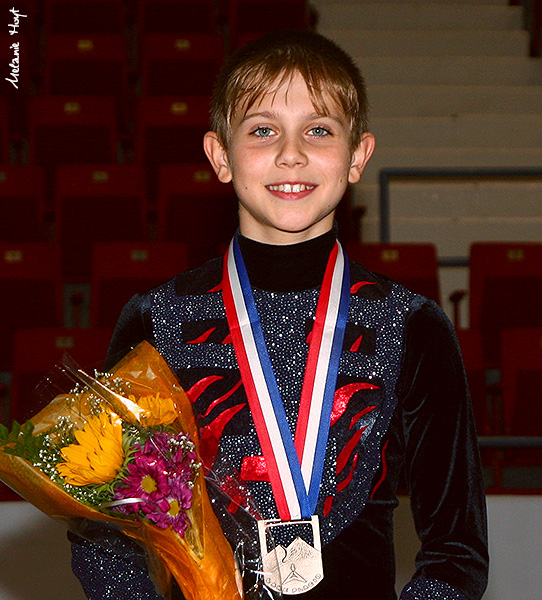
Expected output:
(218, 157)
(360, 157)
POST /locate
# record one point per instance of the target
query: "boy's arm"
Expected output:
(442, 464)
(133, 326)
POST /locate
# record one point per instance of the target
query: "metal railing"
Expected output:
(394, 173)
(504, 442)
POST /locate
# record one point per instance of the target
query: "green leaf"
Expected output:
(15, 429)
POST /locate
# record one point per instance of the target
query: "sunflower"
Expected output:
(159, 411)
(97, 456)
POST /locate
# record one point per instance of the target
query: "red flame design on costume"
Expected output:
(217, 288)
(346, 452)
(203, 337)
(344, 483)
(210, 434)
(355, 346)
(384, 469)
(358, 416)
(357, 286)
(200, 386)
(221, 399)
(343, 395)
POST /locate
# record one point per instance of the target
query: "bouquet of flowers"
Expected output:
(122, 449)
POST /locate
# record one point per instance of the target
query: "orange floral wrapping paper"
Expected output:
(202, 561)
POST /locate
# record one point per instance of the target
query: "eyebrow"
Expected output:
(274, 115)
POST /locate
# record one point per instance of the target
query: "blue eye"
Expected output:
(263, 132)
(319, 132)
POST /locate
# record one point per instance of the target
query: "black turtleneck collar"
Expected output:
(290, 268)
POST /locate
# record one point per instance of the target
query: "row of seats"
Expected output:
(106, 46)
(108, 203)
(502, 348)
(158, 16)
(75, 129)
(102, 65)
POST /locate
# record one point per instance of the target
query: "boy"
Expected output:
(316, 380)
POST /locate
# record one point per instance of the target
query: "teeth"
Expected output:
(288, 188)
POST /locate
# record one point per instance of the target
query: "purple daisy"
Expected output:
(147, 478)
(170, 513)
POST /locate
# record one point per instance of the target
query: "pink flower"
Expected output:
(147, 479)
(170, 513)
(160, 474)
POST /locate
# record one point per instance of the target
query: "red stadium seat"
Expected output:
(92, 64)
(97, 203)
(30, 291)
(5, 138)
(15, 92)
(249, 18)
(36, 353)
(84, 16)
(180, 65)
(177, 16)
(505, 290)
(120, 270)
(170, 129)
(21, 204)
(71, 130)
(521, 368)
(195, 208)
(486, 415)
(413, 265)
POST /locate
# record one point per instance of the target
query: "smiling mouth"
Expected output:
(291, 188)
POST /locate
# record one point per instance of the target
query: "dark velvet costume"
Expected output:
(401, 406)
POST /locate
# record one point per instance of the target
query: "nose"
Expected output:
(291, 152)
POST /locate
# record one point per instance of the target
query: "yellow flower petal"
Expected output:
(159, 411)
(97, 456)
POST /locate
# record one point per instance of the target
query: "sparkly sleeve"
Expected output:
(112, 571)
(133, 326)
(442, 465)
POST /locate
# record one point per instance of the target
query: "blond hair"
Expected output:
(268, 62)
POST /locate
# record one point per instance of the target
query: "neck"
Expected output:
(287, 268)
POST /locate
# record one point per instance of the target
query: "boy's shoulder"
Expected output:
(201, 280)
(377, 286)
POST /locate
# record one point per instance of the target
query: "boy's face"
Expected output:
(290, 166)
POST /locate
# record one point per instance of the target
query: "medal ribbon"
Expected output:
(296, 465)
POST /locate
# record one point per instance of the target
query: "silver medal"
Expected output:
(297, 568)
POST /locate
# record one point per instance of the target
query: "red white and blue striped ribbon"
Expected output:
(295, 465)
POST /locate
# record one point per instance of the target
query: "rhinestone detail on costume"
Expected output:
(284, 318)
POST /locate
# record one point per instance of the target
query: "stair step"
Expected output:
(453, 215)
(431, 42)
(506, 198)
(470, 157)
(451, 70)
(318, 3)
(438, 100)
(479, 131)
(453, 237)
(356, 16)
